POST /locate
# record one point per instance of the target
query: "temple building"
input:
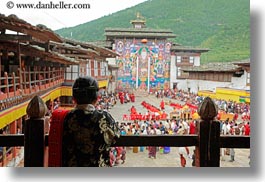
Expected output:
(149, 59)
(212, 75)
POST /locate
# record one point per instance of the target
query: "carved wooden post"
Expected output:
(29, 78)
(49, 76)
(208, 152)
(24, 79)
(34, 133)
(0, 71)
(14, 83)
(34, 77)
(6, 83)
(4, 157)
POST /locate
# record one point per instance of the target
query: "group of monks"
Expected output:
(125, 97)
(153, 113)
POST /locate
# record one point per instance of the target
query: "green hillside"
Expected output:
(221, 25)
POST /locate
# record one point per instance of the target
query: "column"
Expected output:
(137, 71)
(148, 75)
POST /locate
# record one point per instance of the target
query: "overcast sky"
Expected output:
(60, 18)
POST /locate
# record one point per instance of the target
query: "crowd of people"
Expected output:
(145, 124)
(156, 121)
(126, 97)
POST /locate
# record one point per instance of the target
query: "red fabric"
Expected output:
(235, 116)
(192, 128)
(182, 161)
(133, 110)
(139, 116)
(164, 116)
(132, 98)
(55, 137)
(162, 105)
(150, 107)
(122, 100)
(247, 129)
(112, 158)
(187, 150)
(219, 116)
(125, 117)
(133, 116)
(119, 151)
(175, 105)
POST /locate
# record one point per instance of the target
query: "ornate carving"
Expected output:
(208, 109)
(36, 108)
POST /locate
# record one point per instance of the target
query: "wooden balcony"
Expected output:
(16, 90)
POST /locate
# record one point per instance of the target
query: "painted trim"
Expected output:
(11, 114)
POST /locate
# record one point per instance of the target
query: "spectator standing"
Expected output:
(87, 133)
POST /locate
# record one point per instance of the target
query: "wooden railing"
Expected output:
(207, 141)
(159, 140)
(16, 91)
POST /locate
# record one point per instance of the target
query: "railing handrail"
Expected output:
(207, 140)
(226, 141)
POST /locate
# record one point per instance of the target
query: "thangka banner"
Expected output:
(134, 71)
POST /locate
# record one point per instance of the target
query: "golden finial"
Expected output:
(138, 15)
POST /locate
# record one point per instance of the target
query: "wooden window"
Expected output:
(192, 75)
(207, 76)
(221, 77)
(69, 73)
(105, 67)
(95, 68)
(212, 76)
(92, 67)
(72, 72)
(75, 72)
(88, 69)
(191, 59)
(185, 59)
(195, 76)
(102, 73)
(226, 77)
(178, 59)
(203, 76)
(215, 77)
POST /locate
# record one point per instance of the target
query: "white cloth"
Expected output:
(224, 129)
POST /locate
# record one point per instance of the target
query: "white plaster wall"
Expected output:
(197, 61)
(240, 82)
(196, 85)
(111, 61)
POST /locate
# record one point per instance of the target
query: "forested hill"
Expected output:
(220, 25)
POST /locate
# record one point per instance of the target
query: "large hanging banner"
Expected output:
(132, 75)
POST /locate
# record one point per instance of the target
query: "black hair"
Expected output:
(85, 90)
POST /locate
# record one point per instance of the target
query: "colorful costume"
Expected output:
(87, 137)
